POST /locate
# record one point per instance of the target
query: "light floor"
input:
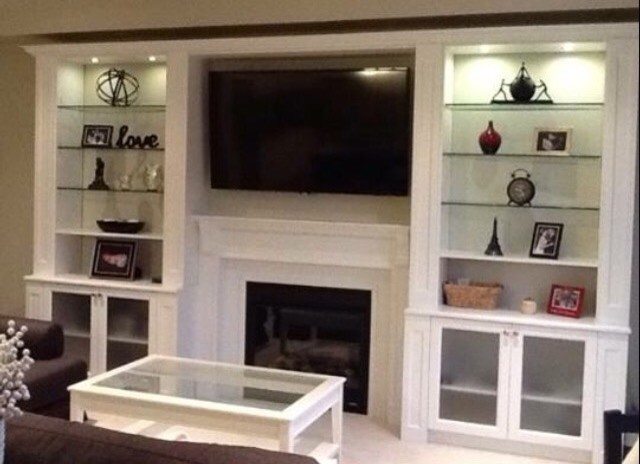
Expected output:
(365, 442)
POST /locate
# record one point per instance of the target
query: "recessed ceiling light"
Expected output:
(152, 58)
(95, 60)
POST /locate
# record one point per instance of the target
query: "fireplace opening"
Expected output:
(312, 329)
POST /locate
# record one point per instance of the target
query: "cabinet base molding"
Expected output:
(510, 446)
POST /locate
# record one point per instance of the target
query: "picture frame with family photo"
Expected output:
(566, 300)
(546, 239)
(96, 136)
(553, 141)
(114, 259)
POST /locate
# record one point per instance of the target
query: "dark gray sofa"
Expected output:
(52, 372)
(35, 439)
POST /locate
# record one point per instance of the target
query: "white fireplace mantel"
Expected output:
(235, 250)
(369, 246)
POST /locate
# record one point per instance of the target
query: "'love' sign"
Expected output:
(135, 141)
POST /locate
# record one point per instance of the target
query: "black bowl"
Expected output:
(120, 227)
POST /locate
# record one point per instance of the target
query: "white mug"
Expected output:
(528, 306)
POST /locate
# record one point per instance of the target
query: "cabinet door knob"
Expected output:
(505, 337)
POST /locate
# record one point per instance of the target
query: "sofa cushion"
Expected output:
(48, 381)
(33, 439)
(44, 339)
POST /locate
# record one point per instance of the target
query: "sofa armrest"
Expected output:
(44, 339)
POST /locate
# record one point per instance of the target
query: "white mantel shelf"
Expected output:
(372, 246)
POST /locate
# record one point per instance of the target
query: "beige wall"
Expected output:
(46, 16)
(16, 175)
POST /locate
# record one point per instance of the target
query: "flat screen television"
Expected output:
(315, 131)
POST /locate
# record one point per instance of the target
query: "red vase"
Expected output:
(490, 140)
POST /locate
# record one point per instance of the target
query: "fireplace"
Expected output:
(234, 252)
(311, 329)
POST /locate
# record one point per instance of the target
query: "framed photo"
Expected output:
(552, 141)
(566, 301)
(96, 136)
(114, 258)
(546, 239)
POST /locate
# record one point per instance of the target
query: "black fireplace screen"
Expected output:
(312, 329)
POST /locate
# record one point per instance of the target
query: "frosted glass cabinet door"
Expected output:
(553, 399)
(469, 393)
(73, 312)
(127, 330)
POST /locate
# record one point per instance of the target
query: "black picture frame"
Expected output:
(546, 239)
(96, 136)
(114, 259)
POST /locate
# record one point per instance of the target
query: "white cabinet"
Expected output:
(106, 327)
(498, 378)
(514, 382)
(81, 179)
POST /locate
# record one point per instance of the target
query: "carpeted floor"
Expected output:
(364, 442)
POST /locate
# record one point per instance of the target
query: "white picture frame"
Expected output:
(553, 141)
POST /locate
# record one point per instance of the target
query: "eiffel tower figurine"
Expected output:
(493, 249)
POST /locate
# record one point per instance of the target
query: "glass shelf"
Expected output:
(107, 108)
(98, 233)
(128, 340)
(77, 147)
(553, 400)
(523, 106)
(84, 189)
(552, 158)
(470, 389)
(524, 208)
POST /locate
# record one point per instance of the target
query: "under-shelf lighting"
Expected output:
(369, 71)
(152, 58)
(380, 70)
(568, 47)
(484, 48)
(95, 60)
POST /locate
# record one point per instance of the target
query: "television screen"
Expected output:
(324, 131)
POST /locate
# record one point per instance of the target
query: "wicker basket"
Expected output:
(479, 295)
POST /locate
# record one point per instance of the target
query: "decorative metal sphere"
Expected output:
(117, 87)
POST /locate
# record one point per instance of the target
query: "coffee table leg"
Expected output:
(76, 413)
(286, 439)
(336, 427)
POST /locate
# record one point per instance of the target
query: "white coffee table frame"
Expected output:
(283, 426)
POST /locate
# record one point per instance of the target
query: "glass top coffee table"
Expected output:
(216, 396)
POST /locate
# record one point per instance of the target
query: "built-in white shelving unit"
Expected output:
(497, 378)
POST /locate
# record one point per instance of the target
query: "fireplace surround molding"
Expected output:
(233, 251)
